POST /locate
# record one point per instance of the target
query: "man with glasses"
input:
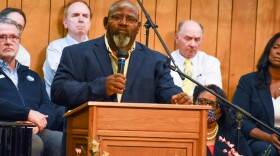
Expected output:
(77, 18)
(88, 71)
(25, 89)
(195, 63)
(18, 16)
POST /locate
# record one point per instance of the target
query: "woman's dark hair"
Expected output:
(263, 64)
(226, 118)
(5, 12)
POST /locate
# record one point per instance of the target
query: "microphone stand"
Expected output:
(242, 111)
(239, 119)
(147, 25)
(175, 68)
(151, 24)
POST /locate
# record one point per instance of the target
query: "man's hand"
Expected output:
(115, 84)
(38, 119)
(35, 130)
(181, 98)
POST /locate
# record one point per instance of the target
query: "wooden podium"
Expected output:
(129, 129)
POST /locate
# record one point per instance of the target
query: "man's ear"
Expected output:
(105, 22)
(65, 23)
(176, 38)
(139, 24)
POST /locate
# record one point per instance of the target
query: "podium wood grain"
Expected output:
(129, 129)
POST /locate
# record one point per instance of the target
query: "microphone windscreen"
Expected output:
(122, 53)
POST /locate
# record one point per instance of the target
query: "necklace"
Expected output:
(214, 130)
(213, 133)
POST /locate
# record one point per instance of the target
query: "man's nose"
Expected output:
(192, 43)
(8, 40)
(81, 18)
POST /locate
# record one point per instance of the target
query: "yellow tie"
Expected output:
(187, 85)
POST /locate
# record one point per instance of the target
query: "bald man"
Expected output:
(88, 71)
(203, 68)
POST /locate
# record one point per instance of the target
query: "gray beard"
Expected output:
(121, 41)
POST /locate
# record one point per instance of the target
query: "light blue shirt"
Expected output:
(54, 52)
(12, 74)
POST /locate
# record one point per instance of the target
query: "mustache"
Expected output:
(122, 29)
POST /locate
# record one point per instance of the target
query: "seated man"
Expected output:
(26, 91)
(18, 15)
(77, 15)
(197, 64)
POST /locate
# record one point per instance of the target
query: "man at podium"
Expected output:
(88, 71)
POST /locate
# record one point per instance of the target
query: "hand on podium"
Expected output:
(181, 98)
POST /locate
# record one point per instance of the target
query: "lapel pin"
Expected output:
(30, 78)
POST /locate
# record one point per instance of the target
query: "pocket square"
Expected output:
(2, 76)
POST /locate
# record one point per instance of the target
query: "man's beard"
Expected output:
(121, 41)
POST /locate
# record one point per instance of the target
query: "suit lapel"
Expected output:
(265, 97)
(135, 62)
(102, 56)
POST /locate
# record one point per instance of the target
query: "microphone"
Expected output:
(122, 55)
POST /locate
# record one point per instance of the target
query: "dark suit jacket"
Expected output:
(81, 76)
(230, 134)
(258, 102)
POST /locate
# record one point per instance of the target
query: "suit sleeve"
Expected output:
(69, 90)
(165, 84)
(242, 98)
(12, 112)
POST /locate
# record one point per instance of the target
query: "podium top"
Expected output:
(136, 105)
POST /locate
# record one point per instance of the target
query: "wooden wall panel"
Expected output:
(36, 34)
(236, 31)
(3, 4)
(224, 39)
(14, 3)
(183, 11)
(166, 21)
(207, 15)
(56, 26)
(242, 41)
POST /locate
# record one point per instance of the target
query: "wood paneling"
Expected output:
(224, 39)
(242, 41)
(14, 3)
(236, 31)
(36, 34)
(166, 21)
(207, 15)
(56, 26)
(3, 4)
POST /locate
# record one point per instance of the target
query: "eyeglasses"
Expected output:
(4, 38)
(118, 19)
(203, 101)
